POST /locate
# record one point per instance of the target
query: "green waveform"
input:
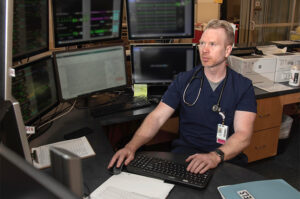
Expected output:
(164, 4)
(156, 12)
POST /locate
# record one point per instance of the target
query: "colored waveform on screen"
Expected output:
(30, 21)
(163, 4)
(72, 19)
(73, 26)
(32, 96)
(103, 22)
(160, 16)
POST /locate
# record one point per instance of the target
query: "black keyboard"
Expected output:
(130, 104)
(169, 171)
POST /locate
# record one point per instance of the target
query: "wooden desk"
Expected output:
(268, 120)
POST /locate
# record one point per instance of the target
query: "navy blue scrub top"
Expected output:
(198, 123)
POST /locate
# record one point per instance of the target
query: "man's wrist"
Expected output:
(219, 153)
(130, 148)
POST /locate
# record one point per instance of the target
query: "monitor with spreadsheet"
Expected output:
(160, 63)
(30, 28)
(34, 87)
(87, 71)
(83, 21)
(160, 19)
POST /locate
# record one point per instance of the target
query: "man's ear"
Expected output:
(228, 50)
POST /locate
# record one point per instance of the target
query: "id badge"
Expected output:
(222, 133)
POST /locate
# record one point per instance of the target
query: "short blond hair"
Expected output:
(216, 23)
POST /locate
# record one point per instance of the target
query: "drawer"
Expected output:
(290, 98)
(269, 113)
(263, 144)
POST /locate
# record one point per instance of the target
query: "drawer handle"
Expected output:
(264, 115)
(262, 147)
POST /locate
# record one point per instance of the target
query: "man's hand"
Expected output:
(201, 162)
(124, 154)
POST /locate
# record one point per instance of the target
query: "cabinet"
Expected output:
(266, 129)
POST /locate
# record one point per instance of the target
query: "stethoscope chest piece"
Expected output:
(216, 108)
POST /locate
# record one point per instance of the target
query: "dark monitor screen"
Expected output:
(161, 63)
(30, 28)
(19, 179)
(83, 21)
(160, 19)
(35, 88)
(12, 129)
(88, 71)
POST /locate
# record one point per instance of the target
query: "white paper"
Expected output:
(272, 87)
(286, 42)
(139, 186)
(271, 49)
(80, 147)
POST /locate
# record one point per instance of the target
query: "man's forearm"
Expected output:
(145, 133)
(235, 145)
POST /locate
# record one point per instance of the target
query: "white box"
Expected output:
(253, 64)
(282, 76)
(285, 61)
(258, 68)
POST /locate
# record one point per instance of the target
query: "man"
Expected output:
(217, 107)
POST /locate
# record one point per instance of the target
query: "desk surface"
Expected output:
(94, 168)
(95, 173)
(260, 94)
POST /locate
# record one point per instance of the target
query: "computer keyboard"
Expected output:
(115, 107)
(169, 171)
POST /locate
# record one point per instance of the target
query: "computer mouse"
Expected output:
(114, 170)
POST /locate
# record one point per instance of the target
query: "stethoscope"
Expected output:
(216, 107)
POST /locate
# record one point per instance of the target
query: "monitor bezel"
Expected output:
(130, 37)
(79, 43)
(41, 50)
(49, 108)
(91, 93)
(192, 45)
(43, 184)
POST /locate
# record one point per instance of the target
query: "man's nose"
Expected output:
(205, 48)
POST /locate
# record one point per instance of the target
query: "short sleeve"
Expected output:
(172, 96)
(248, 100)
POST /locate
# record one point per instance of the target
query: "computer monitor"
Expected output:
(6, 17)
(88, 71)
(34, 87)
(19, 179)
(12, 129)
(82, 21)
(30, 28)
(160, 19)
(160, 63)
